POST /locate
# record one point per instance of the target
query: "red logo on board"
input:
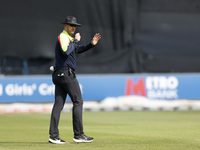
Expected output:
(135, 88)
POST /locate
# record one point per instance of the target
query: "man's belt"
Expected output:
(53, 68)
(64, 68)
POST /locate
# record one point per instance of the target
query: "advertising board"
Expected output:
(98, 87)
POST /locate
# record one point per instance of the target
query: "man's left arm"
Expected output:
(83, 48)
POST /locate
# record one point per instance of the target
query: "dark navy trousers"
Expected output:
(66, 84)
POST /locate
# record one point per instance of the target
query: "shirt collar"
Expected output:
(65, 32)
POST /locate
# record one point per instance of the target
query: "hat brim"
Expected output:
(76, 24)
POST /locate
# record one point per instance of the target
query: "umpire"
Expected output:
(65, 81)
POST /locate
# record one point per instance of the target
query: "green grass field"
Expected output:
(125, 130)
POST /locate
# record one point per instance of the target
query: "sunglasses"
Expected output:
(71, 25)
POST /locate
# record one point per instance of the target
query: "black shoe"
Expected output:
(83, 138)
(57, 140)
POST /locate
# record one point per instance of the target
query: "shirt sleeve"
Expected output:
(83, 48)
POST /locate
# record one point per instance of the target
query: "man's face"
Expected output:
(70, 29)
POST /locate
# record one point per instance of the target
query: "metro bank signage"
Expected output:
(98, 87)
(156, 87)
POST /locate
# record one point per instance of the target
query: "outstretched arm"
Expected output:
(83, 48)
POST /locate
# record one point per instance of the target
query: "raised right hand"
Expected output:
(78, 36)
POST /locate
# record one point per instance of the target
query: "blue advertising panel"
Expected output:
(97, 87)
(26, 89)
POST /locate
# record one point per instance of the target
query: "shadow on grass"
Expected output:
(33, 143)
(24, 142)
